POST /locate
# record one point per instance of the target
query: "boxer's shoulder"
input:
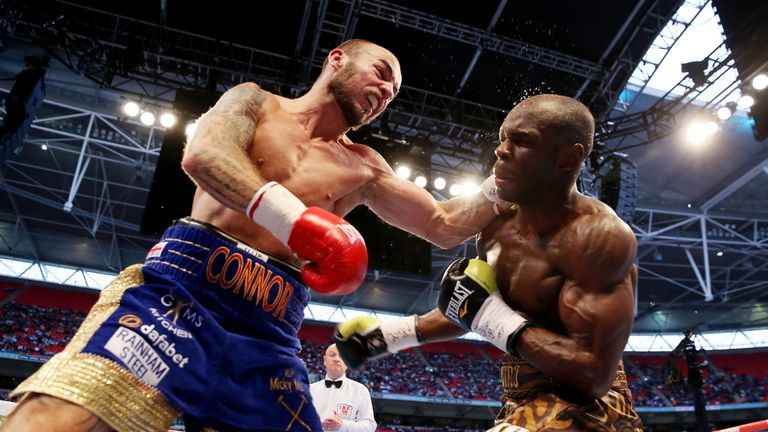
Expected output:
(270, 103)
(367, 153)
(598, 248)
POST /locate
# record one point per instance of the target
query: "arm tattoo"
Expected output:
(220, 181)
(225, 137)
(233, 119)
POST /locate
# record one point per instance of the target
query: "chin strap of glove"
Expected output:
(469, 298)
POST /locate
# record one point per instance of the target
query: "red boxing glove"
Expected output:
(336, 250)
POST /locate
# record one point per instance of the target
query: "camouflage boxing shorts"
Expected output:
(534, 401)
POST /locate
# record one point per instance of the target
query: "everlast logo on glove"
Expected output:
(465, 286)
(460, 294)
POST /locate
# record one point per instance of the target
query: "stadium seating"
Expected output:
(36, 324)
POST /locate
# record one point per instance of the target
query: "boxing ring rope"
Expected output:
(748, 427)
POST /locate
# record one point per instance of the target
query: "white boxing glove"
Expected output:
(489, 190)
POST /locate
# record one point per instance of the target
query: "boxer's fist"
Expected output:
(360, 339)
(466, 285)
(364, 338)
(469, 299)
(488, 186)
(335, 250)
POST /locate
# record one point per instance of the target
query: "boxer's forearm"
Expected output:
(434, 327)
(225, 181)
(445, 223)
(547, 351)
(462, 217)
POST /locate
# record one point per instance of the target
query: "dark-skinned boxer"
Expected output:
(553, 285)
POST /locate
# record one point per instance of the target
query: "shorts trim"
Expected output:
(97, 383)
(104, 388)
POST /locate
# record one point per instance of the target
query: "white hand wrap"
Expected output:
(276, 209)
(496, 321)
(489, 190)
(400, 333)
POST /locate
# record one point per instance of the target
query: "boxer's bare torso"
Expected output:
(575, 279)
(327, 173)
(532, 269)
(252, 136)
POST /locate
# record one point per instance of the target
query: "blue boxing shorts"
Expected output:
(207, 326)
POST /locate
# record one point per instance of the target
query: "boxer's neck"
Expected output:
(319, 113)
(334, 376)
(550, 213)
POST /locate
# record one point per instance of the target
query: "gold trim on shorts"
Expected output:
(97, 383)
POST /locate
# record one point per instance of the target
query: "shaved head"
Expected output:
(569, 118)
(543, 143)
(354, 47)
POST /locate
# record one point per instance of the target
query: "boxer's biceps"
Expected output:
(598, 320)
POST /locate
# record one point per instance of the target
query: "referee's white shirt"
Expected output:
(352, 402)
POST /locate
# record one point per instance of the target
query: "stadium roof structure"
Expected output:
(76, 192)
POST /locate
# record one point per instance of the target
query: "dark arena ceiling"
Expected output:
(701, 219)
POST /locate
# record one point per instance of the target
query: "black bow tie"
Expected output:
(329, 383)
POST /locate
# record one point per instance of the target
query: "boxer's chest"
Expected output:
(525, 273)
(318, 171)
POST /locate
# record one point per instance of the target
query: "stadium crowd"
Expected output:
(36, 330)
(652, 387)
(43, 331)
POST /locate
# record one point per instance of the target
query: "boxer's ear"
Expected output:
(570, 157)
(336, 58)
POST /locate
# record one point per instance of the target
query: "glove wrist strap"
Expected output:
(489, 190)
(419, 336)
(512, 338)
(496, 322)
(276, 209)
(400, 333)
